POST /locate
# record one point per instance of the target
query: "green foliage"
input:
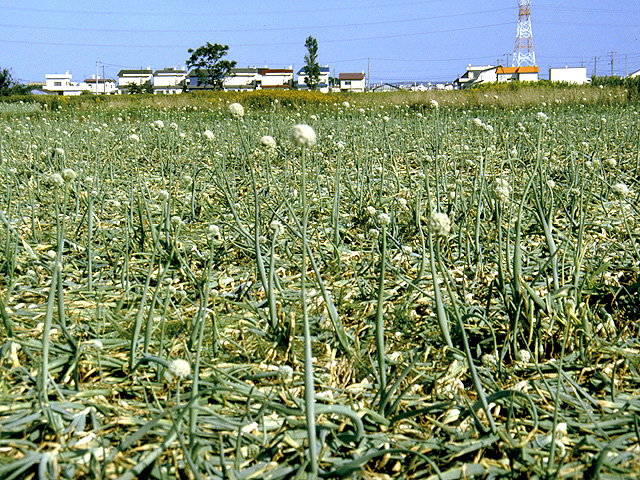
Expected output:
(8, 86)
(210, 68)
(311, 68)
(146, 87)
(631, 85)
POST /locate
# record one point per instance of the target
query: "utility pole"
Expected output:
(96, 84)
(612, 63)
(595, 70)
(368, 74)
(104, 83)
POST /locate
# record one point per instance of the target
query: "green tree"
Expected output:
(209, 66)
(311, 68)
(146, 87)
(8, 86)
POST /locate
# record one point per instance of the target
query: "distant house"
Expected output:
(476, 75)
(169, 81)
(517, 74)
(352, 82)
(101, 85)
(577, 75)
(275, 78)
(323, 80)
(242, 79)
(61, 84)
(137, 77)
(385, 87)
(635, 74)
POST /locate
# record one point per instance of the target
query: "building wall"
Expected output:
(571, 75)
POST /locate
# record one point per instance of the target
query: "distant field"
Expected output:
(439, 285)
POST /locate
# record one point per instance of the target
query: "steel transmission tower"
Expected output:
(524, 56)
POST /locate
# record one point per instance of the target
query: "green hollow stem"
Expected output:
(379, 332)
(309, 387)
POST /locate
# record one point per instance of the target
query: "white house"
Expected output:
(169, 81)
(137, 77)
(323, 80)
(635, 74)
(242, 79)
(517, 74)
(61, 84)
(352, 82)
(275, 78)
(577, 75)
(476, 75)
(101, 85)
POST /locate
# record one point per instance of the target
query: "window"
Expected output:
(347, 83)
(57, 84)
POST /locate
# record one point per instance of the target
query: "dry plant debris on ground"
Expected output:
(471, 292)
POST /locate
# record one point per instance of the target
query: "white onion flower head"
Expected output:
(68, 175)
(384, 220)
(346, 104)
(163, 195)
(236, 110)
(612, 162)
(434, 103)
(620, 189)
(158, 124)
(208, 135)
(477, 122)
(440, 224)
(303, 136)
(57, 180)
(501, 189)
(214, 231)
(285, 372)
(268, 143)
(371, 210)
(542, 117)
(277, 228)
(60, 151)
(179, 368)
(134, 138)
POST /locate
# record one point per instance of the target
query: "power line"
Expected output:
(216, 13)
(242, 30)
(261, 44)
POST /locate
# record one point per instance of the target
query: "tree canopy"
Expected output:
(311, 68)
(209, 66)
(8, 86)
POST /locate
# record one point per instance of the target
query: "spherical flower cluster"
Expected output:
(303, 136)
(541, 117)
(179, 368)
(68, 175)
(214, 231)
(285, 372)
(440, 224)
(346, 104)
(612, 162)
(60, 151)
(57, 180)
(501, 189)
(236, 110)
(523, 356)
(268, 143)
(134, 138)
(371, 210)
(477, 122)
(277, 228)
(163, 195)
(158, 124)
(384, 220)
(620, 189)
(434, 103)
(208, 135)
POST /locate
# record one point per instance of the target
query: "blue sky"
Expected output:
(405, 40)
